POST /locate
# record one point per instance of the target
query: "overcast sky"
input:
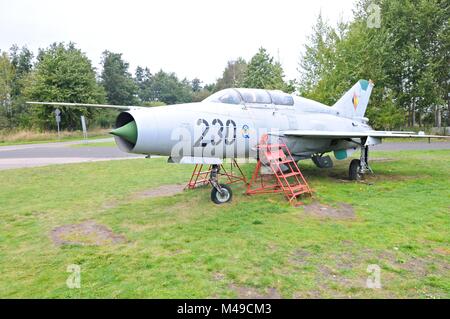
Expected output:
(193, 38)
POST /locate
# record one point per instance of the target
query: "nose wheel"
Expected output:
(223, 196)
(220, 193)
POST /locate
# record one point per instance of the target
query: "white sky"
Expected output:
(193, 38)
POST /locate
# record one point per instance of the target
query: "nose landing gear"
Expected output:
(220, 193)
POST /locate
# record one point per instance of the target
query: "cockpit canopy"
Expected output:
(251, 96)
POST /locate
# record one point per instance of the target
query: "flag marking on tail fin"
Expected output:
(355, 100)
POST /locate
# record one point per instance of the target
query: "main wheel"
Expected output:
(219, 198)
(353, 170)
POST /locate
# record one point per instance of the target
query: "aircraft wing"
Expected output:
(108, 106)
(349, 134)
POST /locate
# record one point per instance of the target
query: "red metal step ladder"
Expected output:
(275, 158)
(200, 177)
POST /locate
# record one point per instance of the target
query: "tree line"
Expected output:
(402, 45)
(63, 73)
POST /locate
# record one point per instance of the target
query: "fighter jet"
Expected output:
(231, 122)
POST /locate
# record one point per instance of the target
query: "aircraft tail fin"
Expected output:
(353, 103)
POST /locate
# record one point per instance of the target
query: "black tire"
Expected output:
(218, 198)
(353, 170)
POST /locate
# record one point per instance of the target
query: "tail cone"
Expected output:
(127, 132)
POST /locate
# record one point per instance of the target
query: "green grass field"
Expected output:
(184, 246)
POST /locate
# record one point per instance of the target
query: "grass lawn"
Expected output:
(184, 246)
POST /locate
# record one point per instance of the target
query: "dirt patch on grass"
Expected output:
(160, 191)
(300, 257)
(341, 211)
(85, 233)
(218, 276)
(164, 190)
(244, 292)
(310, 294)
(344, 274)
(272, 247)
(442, 251)
(422, 266)
(332, 275)
(111, 204)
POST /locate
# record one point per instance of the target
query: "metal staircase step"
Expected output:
(288, 175)
(284, 161)
(300, 188)
(295, 188)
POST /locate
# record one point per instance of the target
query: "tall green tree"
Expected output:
(162, 87)
(317, 58)
(63, 74)
(233, 75)
(199, 92)
(168, 89)
(419, 54)
(405, 57)
(119, 85)
(143, 78)
(264, 73)
(6, 88)
(196, 85)
(22, 61)
(335, 58)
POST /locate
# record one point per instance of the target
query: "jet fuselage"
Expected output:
(220, 130)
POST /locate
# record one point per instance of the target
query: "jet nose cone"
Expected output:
(127, 132)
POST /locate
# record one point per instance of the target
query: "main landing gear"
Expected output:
(220, 193)
(359, 167)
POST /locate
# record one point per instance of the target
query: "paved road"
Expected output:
(55, 144)
(30, 155)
